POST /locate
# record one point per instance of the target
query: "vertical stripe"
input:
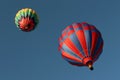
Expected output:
(65, 48)
(81, 37)
(76, 42)
(94, 42)
(70, 57)
(99, 41)
(72, 47)
(98, 52)
(74, 63)
(88, 39)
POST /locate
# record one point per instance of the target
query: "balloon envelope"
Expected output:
(26, 19)
(81, 44)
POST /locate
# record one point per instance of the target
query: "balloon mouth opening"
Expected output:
(90, 66)
(88, 61)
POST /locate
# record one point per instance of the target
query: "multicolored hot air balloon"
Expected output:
(26, 19)
(81, 44)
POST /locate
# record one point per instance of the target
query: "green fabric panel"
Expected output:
(16, 20)
(29, 12)
(36, 19)
(18, 17)
(32, 15)
(21, 13)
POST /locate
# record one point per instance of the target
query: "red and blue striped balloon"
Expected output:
(81, 44)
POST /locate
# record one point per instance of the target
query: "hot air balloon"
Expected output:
(81, 44)
(26, 19)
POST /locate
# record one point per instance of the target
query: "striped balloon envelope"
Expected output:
(26, 19)
(81, 44)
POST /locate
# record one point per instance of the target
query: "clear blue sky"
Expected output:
(34, 55)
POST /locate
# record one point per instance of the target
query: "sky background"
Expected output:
(35, 56)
